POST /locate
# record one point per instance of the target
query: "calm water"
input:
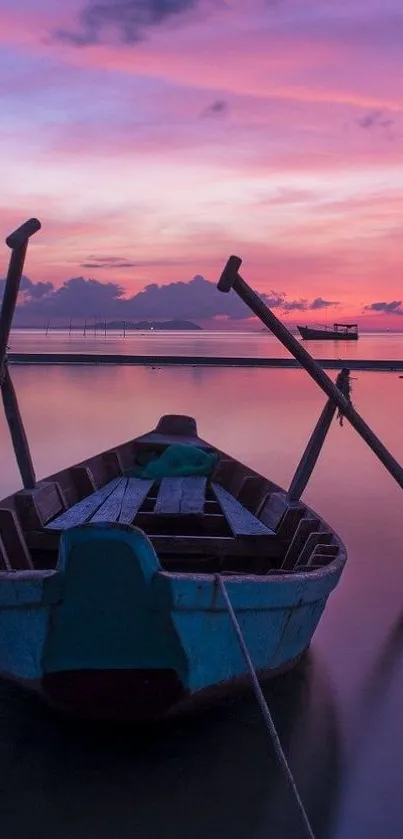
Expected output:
(340, 716)
(257, 344)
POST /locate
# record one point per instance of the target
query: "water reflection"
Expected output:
(263, 417)
(213, 774)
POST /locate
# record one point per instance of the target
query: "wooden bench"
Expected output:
(82, 511)
(181, 496)
(119, 500)
(240, 520)
(14, 553)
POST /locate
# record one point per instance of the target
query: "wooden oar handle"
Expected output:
(230, 273)
(14, 240)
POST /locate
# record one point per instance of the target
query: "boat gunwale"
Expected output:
(334, 564)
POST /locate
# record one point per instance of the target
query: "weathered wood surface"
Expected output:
(315, 443)
(111, 507)
(274, 509)
(135, 493)
(5, 564)
(254, 493)
(265, 547)
(231, 278)
(36, 507)
(13, 540)
(82, 512)
(185, 496)
(231, 474)
(17, 430)
(304, 529)
(240, 520)
(210, 524)
(83, 480)
(322, 551)
(177, 424)
(319, 560)
(18, 241)
(316, 538)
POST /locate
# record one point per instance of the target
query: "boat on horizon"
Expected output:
(340, 332)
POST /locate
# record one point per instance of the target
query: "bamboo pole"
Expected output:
(18, 242)
(231, 278)
(315, 444)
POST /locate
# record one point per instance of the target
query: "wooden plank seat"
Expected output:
(181, 496)
(240, 520)
(82, 511)
(136, 491)
(119, 500)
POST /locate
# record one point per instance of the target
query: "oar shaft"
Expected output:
(231, 278)
(310, 456)
(15, 269)
(18, 242)
(17, 432)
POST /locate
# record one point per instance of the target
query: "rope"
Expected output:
(268, 719)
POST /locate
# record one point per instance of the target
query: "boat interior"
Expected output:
(233, 521)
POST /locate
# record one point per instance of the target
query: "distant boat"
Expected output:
(340, 332)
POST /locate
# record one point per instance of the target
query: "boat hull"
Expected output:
(134, 697)
(309, 334)
(110, 636)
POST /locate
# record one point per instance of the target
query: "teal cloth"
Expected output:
(177, 461)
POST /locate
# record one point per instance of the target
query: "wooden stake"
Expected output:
(231, 278)
(315, 444)
(18, 241)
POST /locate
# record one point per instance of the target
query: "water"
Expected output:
(340, 716)
(386, 345)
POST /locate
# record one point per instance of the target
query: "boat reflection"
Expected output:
(213, 773)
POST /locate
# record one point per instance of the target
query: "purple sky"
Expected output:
(155, 138)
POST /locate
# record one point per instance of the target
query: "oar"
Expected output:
(315, 443)
(231, 278)
(18, 242)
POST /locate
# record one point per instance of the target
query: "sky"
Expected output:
(153, 138)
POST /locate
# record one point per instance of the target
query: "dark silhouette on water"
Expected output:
(213, 774)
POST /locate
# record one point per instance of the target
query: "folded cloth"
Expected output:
(176, 461)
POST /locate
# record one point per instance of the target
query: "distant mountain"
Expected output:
(177, 325)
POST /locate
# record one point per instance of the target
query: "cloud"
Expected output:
(218, 108)
(320, 303)
(108, 262)
(129, 19)
(198, 299)
(303, 305)
(392, 308)
(30, 291)
(374, 118)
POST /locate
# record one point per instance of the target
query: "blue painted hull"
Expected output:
(109, 635)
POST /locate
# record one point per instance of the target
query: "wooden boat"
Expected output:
(109, 604)
(340, 332)
(127, 598)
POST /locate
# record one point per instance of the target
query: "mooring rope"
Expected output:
(269, 722)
